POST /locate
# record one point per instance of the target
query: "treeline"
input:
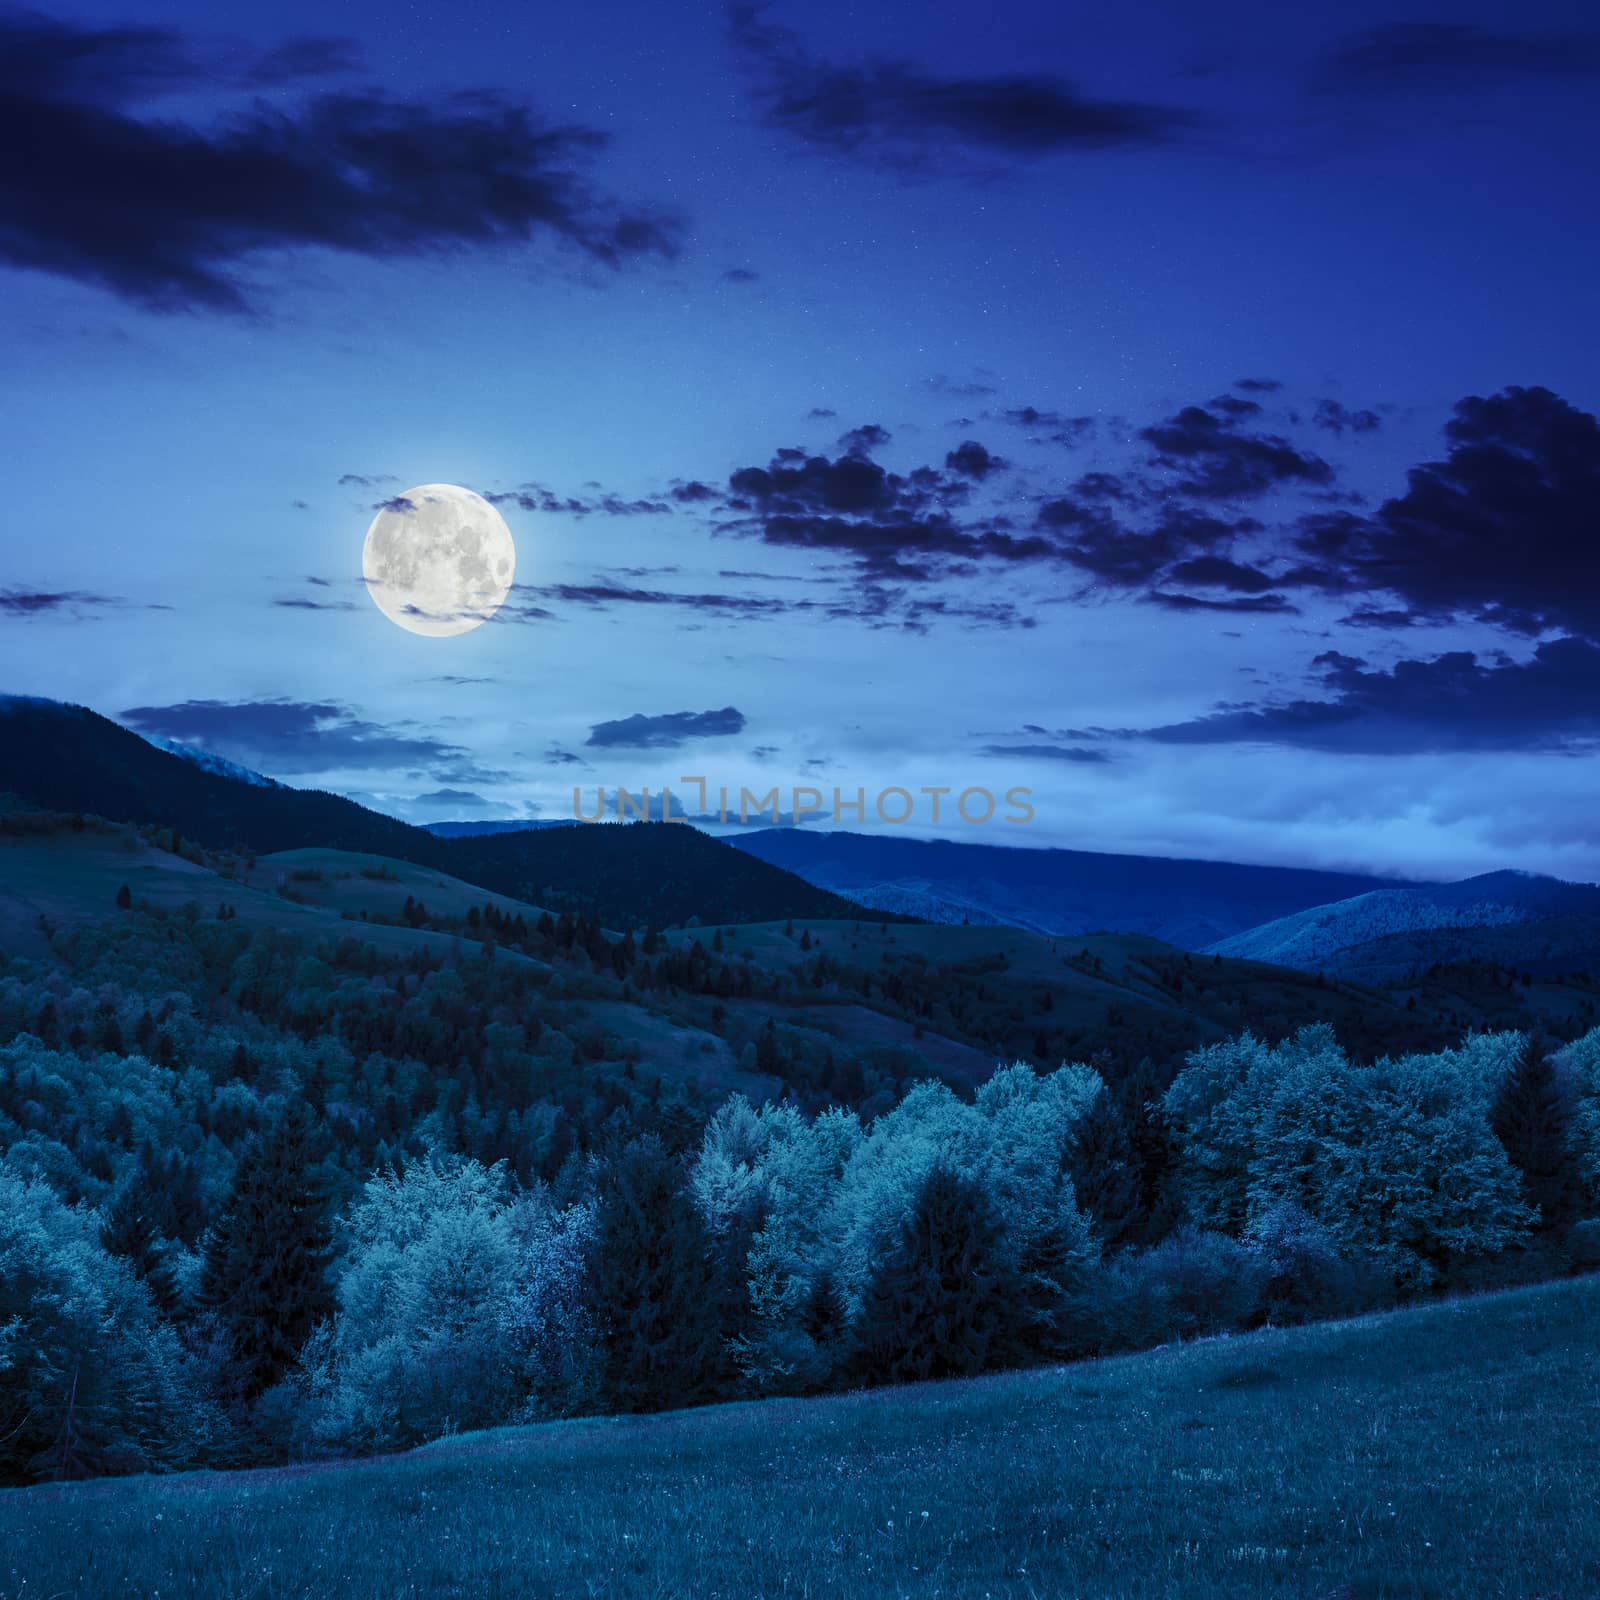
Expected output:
(1049, 1217)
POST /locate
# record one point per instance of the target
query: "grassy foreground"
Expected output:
(1449, 1451)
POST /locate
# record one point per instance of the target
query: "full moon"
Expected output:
(438, 560)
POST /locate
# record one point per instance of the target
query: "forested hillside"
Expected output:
(275, 1189)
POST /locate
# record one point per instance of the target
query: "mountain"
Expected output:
(1190, 904)
(473, 830)
(70, 759)
(1514, 919)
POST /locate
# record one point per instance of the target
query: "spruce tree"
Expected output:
(940, 1303)
(1105, 1172)
(128, 1231)
(264, 1277)
(1533, 1120)
(654, 1288)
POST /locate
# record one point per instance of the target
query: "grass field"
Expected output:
(1451, 1452)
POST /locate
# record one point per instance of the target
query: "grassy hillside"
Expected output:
(1441, 1452)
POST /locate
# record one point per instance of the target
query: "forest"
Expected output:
(268, 1197)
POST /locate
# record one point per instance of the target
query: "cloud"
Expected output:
(1259, 385)
(973, 460)
(538, 497)
(1077, 755)
(892, 525)
(1336, 418)
(820, 414)
(694, 492)
(1258, 604)
(451, 797)
(668, 731)
(26, 603)
(1217, 459)
(361, 480)
(1061, 429)
(292, 735)
(894, 114)
(598, 596)
(741, 275)
(168, 214)
(1502, 529)
(1453, 702)
(864, 440)
(1403, 57)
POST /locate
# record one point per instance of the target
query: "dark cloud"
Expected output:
(970, 389)
(451, 797)
(668, 731)
(397, 504)
(1257, 604)
(1454, 702)
(694, 492)
(1217, 572)
(598, 596)
(1217, 459)
(555, 756)
(168, 214)
(893, 526)
(1060, 429)
(361, 480)
(864, 440)
(1078, 755)
(1503, 529)
(820, 414)
(1258, 385)
(894, 114)
(972, 460)
(1403, 57)
(42, 602)
(741, 275)
(306, 603)
(1337, 418)
(293, 735)
(537, 497)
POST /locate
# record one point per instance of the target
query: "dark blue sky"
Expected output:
(1101, 343)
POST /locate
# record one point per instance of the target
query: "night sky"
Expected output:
(1187, 412)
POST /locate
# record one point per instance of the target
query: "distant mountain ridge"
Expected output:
(1186, 903)
(1516, 919)
(62, 757)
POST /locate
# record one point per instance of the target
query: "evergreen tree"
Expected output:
(1533, 1120)
(1105, 1172)
(940, 1302)
(129, 1232)
(654, 1290)
(264, 1277)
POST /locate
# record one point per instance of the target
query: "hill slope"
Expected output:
(67, 758)
(1189, 904)
(1515, 919)
(1425, 1452)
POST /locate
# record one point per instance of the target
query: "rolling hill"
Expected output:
(1190, 904)
(66, 758)
(1513, 919)
(1427, 1452)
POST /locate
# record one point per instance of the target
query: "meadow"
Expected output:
(1446, 1451)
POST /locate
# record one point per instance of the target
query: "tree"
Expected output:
(124, 898)
(265, 1272)
(1533, 1119)
(939, 1303)
(129, 1232)
(1104, 1170)
(654, 1289)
